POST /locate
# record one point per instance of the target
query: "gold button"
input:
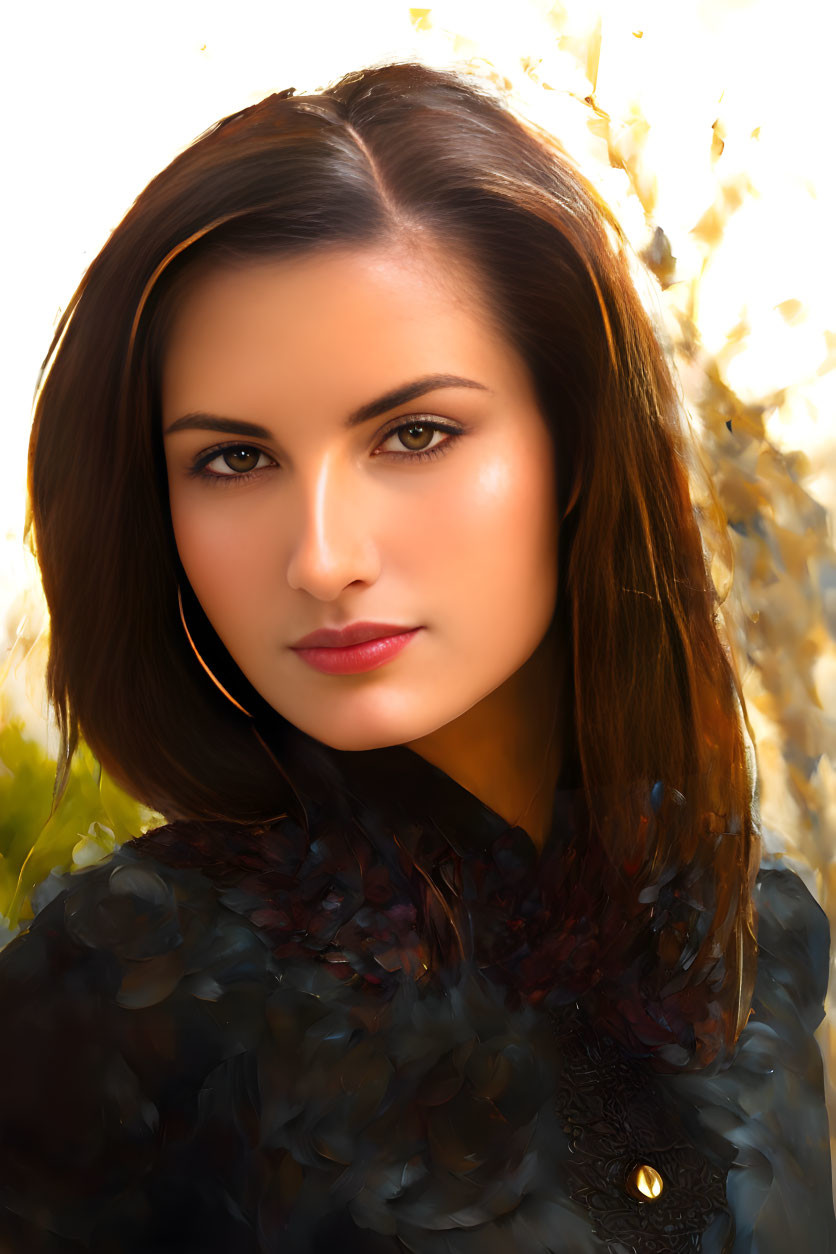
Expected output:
(644, 1183)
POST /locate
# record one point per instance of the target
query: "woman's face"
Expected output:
(305, 502)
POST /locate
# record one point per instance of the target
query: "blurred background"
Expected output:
(706, 124)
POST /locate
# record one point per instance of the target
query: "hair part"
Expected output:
(420, 158)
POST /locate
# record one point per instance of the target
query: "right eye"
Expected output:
(241, 462)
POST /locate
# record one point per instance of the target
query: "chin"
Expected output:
(357, 742)
(359, 735)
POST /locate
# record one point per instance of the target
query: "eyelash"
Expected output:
(198, 471)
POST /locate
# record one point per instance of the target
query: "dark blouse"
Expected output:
(236, 1039)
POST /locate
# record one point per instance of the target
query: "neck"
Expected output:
(508, 748)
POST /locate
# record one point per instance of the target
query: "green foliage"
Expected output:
(93, 817)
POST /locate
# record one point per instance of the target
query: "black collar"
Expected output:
(395, 787)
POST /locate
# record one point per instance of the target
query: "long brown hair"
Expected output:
(401, 152)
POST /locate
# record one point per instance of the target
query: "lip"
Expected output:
(354, 633)
(356, 658)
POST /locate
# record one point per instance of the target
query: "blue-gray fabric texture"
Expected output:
(225, 1039)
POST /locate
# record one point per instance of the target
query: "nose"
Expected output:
(332, 543)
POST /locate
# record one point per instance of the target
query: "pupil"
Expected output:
(420, 427)
(242, 453)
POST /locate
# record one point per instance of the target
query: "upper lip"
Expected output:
(354, 633)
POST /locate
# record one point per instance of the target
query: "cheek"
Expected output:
(493, 535)
(224, 549)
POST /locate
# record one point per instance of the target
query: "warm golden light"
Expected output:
(644, 1183)
(704, 123)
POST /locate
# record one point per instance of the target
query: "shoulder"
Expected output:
(793, 945)
(96, 925)
(767, 1101)
(119, 999)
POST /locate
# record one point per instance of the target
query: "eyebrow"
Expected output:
(372, 409)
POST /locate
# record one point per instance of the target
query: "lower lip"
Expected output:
(355, 658)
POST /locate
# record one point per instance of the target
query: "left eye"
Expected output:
(416, 431)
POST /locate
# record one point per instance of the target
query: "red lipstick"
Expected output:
(355, 648)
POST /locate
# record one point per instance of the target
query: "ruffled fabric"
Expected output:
(768, 1101)
(242, 1039)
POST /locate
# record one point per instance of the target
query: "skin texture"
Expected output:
(333, 527)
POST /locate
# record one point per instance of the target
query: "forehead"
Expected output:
(348, 310)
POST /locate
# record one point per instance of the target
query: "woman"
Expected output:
(360, 499)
